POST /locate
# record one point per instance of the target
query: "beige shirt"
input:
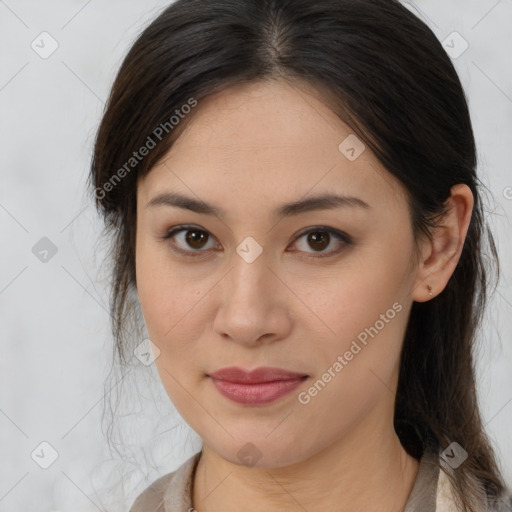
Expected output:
(172, 492)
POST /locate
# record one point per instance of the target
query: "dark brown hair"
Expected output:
(385, 74)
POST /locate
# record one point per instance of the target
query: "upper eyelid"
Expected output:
(178, 229)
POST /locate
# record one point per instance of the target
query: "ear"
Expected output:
(439, 256)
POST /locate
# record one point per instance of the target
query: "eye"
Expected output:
(321, 237)
(190, 236)
(190, 239)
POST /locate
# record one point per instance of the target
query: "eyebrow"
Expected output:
(318, 202)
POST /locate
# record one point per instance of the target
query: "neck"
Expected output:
(370, 472)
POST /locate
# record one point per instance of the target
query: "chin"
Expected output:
(261, 452)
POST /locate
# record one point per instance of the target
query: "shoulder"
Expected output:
(446, 502)
(152, 498)
(505, 504)
(169, 492)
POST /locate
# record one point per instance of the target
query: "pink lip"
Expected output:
(260, 386)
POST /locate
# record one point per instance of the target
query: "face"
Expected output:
(322, 290)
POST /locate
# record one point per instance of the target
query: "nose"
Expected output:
(254, 304)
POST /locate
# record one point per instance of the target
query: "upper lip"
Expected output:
(258, 375)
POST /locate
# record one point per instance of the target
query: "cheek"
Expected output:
(362, 308)
(356, 366)
(157, 290)
(351, 299)
(170, 298)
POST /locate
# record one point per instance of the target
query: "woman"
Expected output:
(292, 194)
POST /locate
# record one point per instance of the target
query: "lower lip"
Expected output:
(257, 394)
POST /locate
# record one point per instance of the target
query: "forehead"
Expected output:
(267, 137)
(260, 116)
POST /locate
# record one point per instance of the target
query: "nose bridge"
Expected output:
(250, 276)
(250, 308)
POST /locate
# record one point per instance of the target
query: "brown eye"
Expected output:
(318, 240)
(192, 241)
(188, 240)
(195, 238)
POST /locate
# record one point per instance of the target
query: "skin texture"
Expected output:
(248, 150)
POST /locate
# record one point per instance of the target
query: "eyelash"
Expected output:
(339, 235)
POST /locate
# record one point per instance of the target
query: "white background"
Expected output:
(54, 330)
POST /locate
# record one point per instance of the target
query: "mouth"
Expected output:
(257, 387)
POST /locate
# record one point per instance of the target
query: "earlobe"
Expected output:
(441, 254)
